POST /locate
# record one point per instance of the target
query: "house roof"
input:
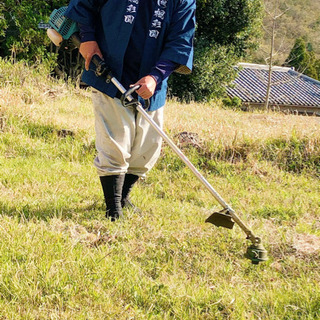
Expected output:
(289, 87)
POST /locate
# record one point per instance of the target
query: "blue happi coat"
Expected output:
(170, 37)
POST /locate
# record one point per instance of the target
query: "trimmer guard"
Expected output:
(221, 219)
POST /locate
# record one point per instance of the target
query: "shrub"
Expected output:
(234, 102)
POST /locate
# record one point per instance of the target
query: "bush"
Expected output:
(21, 39)
(234, 102)
(20, 36)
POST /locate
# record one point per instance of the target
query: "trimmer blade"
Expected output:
(221, 219)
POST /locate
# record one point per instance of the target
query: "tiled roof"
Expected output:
(288, 86)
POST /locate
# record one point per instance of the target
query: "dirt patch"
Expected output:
(306, 244)
(79, 234)
(299, 245)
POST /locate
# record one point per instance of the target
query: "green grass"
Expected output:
(61, 259)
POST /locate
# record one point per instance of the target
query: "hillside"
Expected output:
(61, 259)
(301, 18)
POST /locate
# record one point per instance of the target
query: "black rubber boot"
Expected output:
(112, 190)
(129, 181)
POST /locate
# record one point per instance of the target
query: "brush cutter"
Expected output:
(64, 29)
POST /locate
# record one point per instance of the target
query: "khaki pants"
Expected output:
(125, 141)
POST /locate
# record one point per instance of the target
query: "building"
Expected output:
(291, 91)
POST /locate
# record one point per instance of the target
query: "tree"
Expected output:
(274, 15)
(303, 59)
(226, 31)
(213, 70)
(233, 23)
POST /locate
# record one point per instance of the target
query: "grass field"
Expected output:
(61, 259)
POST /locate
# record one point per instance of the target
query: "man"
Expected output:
(143, 42)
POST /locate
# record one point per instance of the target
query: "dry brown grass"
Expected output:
(212, 122)
(45, 100)
(37, 97)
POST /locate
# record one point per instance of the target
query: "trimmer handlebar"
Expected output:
(126, 102)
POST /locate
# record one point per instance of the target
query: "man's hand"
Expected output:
(147, 87)
(88, 50)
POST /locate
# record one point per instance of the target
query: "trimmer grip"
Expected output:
(101, 67)
(75, 40)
